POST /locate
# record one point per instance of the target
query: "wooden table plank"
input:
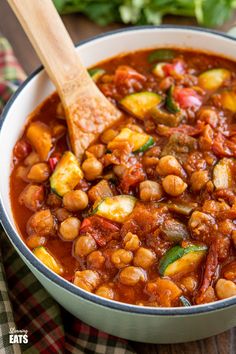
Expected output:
(81, 28)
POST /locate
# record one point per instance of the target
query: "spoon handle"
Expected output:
(52, 44)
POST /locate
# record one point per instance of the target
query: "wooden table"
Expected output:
(80, 28)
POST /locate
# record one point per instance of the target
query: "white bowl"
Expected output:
(146, 324)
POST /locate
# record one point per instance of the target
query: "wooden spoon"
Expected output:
(88, 111)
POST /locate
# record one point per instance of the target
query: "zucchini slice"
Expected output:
(158, 70)
(181, 260)
(161, 116)
(213, 79)
(96, 73)
(46, 258)
(139, 104)
(66, 175)
(140, 142)
(182, 208)
(116, 208)
(161, 54)
(228, 100)
(171, 105)
(222, 174)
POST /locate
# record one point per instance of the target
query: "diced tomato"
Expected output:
(132, 177)
(175, 68)
(187, 97)
(22, 149)
(127, 77)
(223, 147)
(100, 229)
(108, 89)
(183, 128)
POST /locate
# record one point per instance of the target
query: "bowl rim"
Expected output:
(61, 282)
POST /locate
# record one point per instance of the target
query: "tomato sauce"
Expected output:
(149, 217)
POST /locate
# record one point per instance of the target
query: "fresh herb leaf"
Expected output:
(210, 13)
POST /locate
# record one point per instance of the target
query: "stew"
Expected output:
(149, 216)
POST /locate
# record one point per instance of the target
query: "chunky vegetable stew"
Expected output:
(149, 216)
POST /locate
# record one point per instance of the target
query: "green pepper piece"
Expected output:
(96, 73)
(161, 54)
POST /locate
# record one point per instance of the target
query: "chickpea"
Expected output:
(108, 135)
(62, 214)
(166, 83)
(119, 170)
(87, 279)
(58, 131)
(92, 168)
(31, 159)
(75, 200)
(150, 161)
(198, 180)
(121, 258)
(69, 228)
(106, 78)
(34, 241)
(60, 113)
(132, 275)
(153, 152)
(97, 150)
(229, 271)
(174, 185)
(169, 165)
(225, 288)
(210, 186)
(190, 283)
(105, 291)
(110, 176)
(150, 190)
(84, 245)
(32, 197)
(53, 200)
(21, 149)
(22, 173)
(131, 242)
(95, 260)
(144, 258)
(39, 172)
(41, 223)
(150, 157)
(209, 116)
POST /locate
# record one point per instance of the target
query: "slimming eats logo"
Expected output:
(19, 336)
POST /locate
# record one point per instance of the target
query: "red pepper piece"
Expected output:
(99, 228)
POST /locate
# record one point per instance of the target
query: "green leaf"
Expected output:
(161, 55)
(210, 13)
(220, 11)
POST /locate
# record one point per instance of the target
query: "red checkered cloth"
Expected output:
(24, 304)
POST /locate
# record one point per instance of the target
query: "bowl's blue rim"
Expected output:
(15, 239)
